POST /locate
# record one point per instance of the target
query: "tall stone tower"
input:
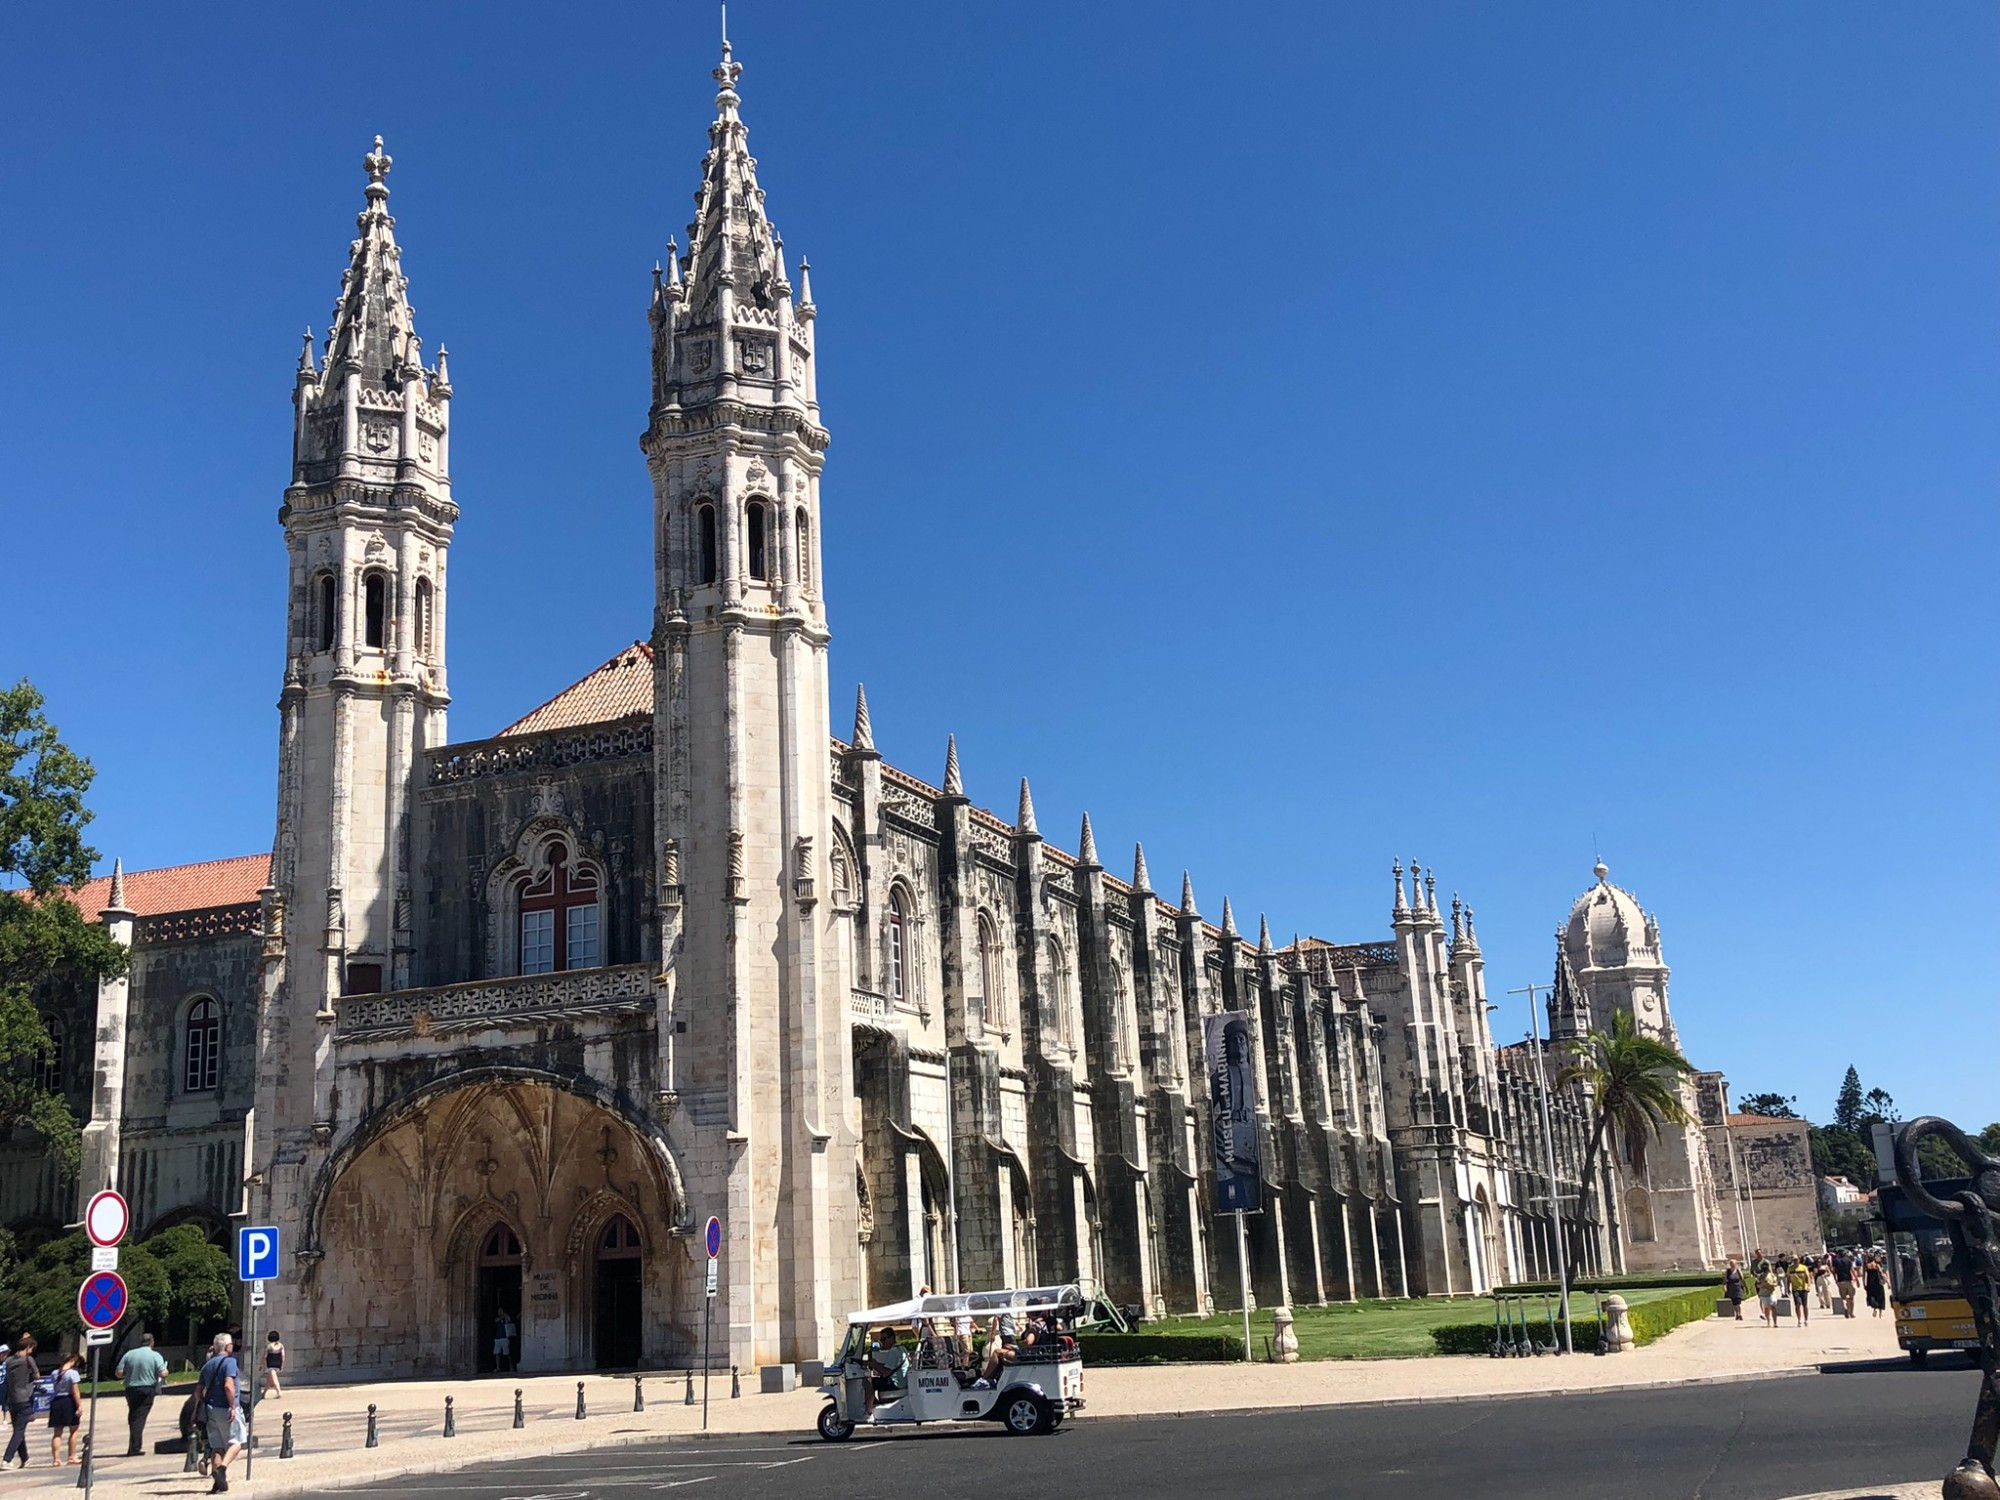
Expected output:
(368, 521)
(755, 1041)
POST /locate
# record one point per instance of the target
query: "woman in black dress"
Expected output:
(1876, 1286)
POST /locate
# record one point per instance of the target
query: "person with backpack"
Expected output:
(17, 1383)
(65, 1410)
(221, 1391)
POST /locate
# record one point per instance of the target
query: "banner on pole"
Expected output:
(1232, 1103)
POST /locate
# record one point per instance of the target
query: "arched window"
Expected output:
(704, 525)
(375, 610)
(1059, 1031)
(620, 1240)
(501, 1247)
(202, 1050)
(50, 1074)
(899, 946)
(326, 615)
(423, 632)
(805, 550)
(559, 917)
(989, 1010)
(758, 539)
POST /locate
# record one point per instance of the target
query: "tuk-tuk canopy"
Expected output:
(972, 1304)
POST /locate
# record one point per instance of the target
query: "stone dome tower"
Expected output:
(1613, 948)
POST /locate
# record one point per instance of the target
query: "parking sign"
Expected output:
(257, 1253)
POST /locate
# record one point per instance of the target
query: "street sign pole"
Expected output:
(712, 1242)
(90, 1437)
(247, 1393)
(1243, 1275)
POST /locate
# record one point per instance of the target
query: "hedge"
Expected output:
(1649, 1321)
(1160, 1348)
(1623, 1283)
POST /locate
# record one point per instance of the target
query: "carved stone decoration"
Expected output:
(701, 356)
(737, 893)
(377, 437)
(530, 1000)
(803, 887)
(547, 801)
(670, 873)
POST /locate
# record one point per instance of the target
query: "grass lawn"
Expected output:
(1387, 1330)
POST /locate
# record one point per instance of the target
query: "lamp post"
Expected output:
(1972, 1215)
(1549, 1159)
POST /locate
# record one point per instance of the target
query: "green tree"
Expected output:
(1847, 1106)
(42, 782)
(1633, 1082)
(175, 1276)
(1777, 1106)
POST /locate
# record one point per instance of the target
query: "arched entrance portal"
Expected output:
(619, 1294)
(501, 1196)
(498, 1297)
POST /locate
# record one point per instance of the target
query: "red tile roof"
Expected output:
(152, 893)
(620, 688)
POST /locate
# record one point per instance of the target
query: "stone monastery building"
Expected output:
(498, 1024)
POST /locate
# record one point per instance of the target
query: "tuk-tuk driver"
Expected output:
(889, 1363)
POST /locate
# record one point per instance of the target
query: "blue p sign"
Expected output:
(256, 1254)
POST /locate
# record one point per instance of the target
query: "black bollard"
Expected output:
(83, 1469)
(579, 1401)
(450, 1418)
(285, 1443)
(638, 1395)
(520, 1416)
(374, 1436)
(192, 1461)
(735, 1383)
(689, 1401)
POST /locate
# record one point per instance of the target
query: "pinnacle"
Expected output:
(864, 732)
(1086, 849)
(1024, 821)
(1142, 880)
(954, 785)
(1264, 935)
(1228, 919)
(116, 901)
(1187, 895)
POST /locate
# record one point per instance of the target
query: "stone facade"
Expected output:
(500, 1023)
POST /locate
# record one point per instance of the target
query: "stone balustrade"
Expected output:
(529, 1000)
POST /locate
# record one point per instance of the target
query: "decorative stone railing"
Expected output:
(866, 1005)
(530, 1000)
(551, 750)
(209, 922)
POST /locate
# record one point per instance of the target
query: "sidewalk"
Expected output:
(329, 1422)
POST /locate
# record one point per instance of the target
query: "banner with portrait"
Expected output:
(1228, 1044)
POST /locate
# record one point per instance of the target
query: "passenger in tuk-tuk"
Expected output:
(889, 1365)
(1003, 1337)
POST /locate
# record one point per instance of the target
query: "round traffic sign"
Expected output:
(106, 1218)
(714, 1237)
(100, 1301)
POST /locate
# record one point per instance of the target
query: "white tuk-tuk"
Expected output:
(1039, 1384)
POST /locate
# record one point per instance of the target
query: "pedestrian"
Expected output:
(65, 1411)
(1767, 1295)
(1732, 1287)
(1800, 1277)
(961, 1330)
(274, 1362)
(503, 1342)
(17, 1382)
(1843, 1279)
(221, 1392)
(1823, 1286)
(1876, 1286)
(143, 1371)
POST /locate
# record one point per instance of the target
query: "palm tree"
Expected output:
(1634, 1084)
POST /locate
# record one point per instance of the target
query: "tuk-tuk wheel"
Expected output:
(832, 1426)
(1918, 1356)
(1028, 1414)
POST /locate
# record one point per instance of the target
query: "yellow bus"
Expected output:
(1924, 1289)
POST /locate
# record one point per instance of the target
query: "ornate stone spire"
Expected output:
(1024, 821)
(1187, 896)
(954, 785)
(374, 333)
(1264, 936)
(115, 902)
(1086, 846)
(1471, 938)
(1142, 880)
(1430, 891)
(1228, 919)
(1402, 907)
(1457, 920)
(864, 732)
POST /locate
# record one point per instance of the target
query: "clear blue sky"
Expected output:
(1302, 435)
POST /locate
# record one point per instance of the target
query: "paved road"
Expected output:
(1755, 1441)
